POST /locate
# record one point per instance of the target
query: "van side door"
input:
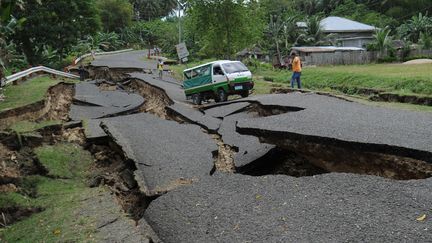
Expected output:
(218, 74)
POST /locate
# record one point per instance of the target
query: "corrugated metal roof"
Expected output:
(325, 48)
(338, 24)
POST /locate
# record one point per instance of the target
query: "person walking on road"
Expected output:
(296, 67)
(160, 67)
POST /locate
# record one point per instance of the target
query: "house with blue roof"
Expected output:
(348, 33)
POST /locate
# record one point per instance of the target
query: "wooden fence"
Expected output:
(353, 57)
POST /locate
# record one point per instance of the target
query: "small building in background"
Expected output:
(346, 32)
(331, 55)
(252, 53)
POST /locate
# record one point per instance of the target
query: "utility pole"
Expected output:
(179, 20)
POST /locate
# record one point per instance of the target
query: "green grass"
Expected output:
(28, 126)
(28, 92)
(59, 197)
(64, 160)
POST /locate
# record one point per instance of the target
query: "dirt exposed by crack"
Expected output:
(155, 99)
(114, 170)
(55, 106)
(112, 74)
(282, 162)
(224, 157)
(334, 158)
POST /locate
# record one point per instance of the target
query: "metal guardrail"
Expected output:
(100, 54)
(25, 73)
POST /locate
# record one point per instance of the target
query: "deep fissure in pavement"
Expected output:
(282, 162)
(270, 110)
(155, 99)
(114, 170)
(345, 157)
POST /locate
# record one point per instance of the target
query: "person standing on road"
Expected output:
(160, 67)
(296, 67)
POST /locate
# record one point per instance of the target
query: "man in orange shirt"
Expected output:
(296, 67)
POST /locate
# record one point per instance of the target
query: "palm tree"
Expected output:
(314, 35)
(274, 30)
(382, 40)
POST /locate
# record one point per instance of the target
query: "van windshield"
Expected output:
(234, 67)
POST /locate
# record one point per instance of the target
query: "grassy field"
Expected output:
(28, 126)
(28, 92)
(394, 78)
(59, 198)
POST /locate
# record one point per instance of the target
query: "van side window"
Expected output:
(217, 70)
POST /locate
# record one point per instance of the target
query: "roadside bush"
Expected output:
(387, 59)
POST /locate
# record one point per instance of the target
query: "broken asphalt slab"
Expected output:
(248, 148)
(226, 110)
(195, 116)
(93, 103)
(332, 120)
(325, 208)
(166, 154)
(174, 91)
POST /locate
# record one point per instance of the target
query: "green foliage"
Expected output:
(425, 40)
(115, 14)
(314, 36)
(382, 41)
(153, 9)
(360, 12)
(224, 27)
(60, 199)
(414, 27)
(57, 24)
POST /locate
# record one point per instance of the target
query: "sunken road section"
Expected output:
(345, 136)
(166, 154)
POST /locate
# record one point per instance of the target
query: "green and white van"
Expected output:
(217, 80)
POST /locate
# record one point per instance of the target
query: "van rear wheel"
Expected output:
(222, 96)
(196, 99)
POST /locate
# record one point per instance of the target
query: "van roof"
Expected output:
(214, 62)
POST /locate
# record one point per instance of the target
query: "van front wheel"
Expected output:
(244, 93)
(196, 99)
(222, 96)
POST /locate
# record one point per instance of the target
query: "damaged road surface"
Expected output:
(166, 154)
(91, 102)
(273, 168)
(325, 208)
(343, 136)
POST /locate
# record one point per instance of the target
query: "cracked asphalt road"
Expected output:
(166, 154)
(325, 208)
(331, 207)
(335, 119)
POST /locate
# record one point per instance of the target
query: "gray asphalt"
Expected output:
(249, 147)
(167, 154)
(195, 116)
(335, 119)
(173, 90)
(92, 129)
(226, 110)
(94, 103)
(324, 208)
(127, 60)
